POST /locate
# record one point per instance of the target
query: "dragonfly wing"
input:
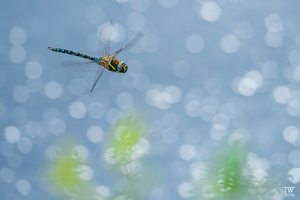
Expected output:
(77, 66)
(130, 44)
(106, 36)
(107, 48)
(70, 63)
(99, 74)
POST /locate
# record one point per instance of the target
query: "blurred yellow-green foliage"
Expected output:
(235, 173)
(63, 172)
(227, 180)
(124, 149)
(127, 141)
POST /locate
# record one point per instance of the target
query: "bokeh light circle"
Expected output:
(210, 11)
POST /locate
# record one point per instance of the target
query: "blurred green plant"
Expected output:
(126, 148)
(226, 180)
(234, 173)
(66, 173)
(127, 141)
(63, 173)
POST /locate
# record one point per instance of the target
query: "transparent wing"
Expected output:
(74, 63)
(107, 48)
(98, 76)
(106, 34)
(77, 66)
(130, 44)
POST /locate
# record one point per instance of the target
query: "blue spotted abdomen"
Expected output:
(74, 53)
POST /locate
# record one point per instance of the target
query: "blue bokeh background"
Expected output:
(204, 73)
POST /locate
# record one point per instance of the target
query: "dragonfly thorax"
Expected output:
(112, 63)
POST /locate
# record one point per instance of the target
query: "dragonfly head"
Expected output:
(122, 67)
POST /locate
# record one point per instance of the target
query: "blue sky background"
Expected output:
(206, 73)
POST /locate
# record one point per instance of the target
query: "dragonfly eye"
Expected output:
(122, 67)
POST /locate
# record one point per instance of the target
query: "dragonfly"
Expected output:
(106, 62)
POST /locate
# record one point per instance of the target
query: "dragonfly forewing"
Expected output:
(130, 44)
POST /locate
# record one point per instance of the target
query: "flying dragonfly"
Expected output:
(108, 61)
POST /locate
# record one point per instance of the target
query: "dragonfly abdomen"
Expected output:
(74, 53)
